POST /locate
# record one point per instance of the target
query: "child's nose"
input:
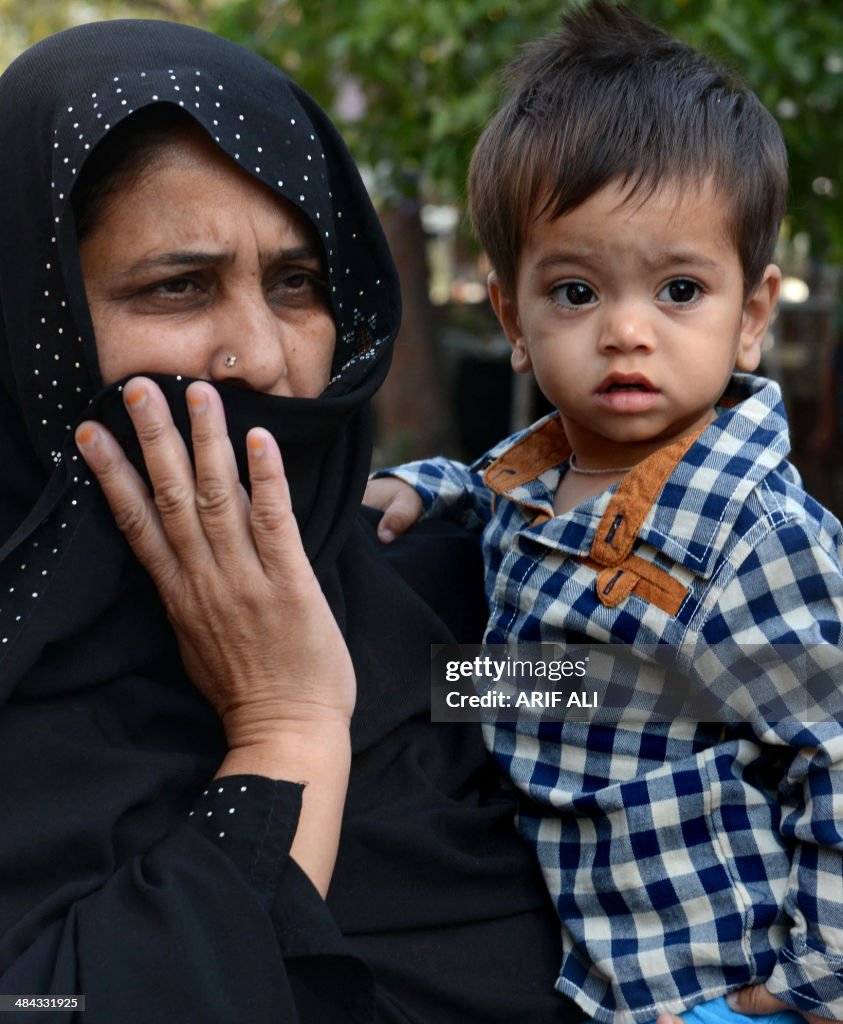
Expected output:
(627, 327)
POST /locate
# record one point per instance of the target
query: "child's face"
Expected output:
(632, 317)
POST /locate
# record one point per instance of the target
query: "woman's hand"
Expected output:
(255, 632)
(399, 502)
(756, 1000)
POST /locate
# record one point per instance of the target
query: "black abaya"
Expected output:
(125, 875)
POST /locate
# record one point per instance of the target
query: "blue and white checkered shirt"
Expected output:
(686, 859)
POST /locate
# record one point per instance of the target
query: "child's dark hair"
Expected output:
(612, 97)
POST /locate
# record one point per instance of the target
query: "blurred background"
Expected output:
(410, 83)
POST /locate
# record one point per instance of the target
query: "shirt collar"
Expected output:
(684, 499)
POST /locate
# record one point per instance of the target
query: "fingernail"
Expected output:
(732, 1001)
(87, 436)
(196, 400)
(386, 535)
(256, 445)
(136, 396)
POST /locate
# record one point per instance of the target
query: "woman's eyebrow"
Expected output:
(176, 259)
(180, 258)
(297, 253)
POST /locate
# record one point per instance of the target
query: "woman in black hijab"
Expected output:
(147, 824)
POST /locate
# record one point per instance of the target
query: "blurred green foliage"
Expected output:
(411, 82)
(24, 22)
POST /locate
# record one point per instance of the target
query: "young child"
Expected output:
(629, 194)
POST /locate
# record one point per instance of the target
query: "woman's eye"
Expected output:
(297, 281)
(680, 290)
(570, 294)
(297, 285)
(175, 286)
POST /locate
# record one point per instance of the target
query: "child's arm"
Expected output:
(400, 503)
(436, 488)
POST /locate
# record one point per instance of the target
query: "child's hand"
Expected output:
(400, 504)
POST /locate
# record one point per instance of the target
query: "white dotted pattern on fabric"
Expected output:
(219, 805)
(58, 363)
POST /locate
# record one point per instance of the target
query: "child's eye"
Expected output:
(570, 294)
(680, 290)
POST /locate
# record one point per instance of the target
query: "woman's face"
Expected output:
(196, 268)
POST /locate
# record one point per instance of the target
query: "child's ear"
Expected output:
(507, 313)
(756, 319)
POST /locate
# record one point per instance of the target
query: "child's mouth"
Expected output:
(627, 393)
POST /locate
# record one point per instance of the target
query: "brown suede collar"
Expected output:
(619, 571)
(547, 447)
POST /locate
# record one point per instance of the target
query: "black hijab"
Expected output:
(58, 101)
(106, 887)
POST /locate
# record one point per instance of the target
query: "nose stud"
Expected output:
(231, 360)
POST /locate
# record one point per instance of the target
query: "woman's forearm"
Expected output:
(318, 756)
